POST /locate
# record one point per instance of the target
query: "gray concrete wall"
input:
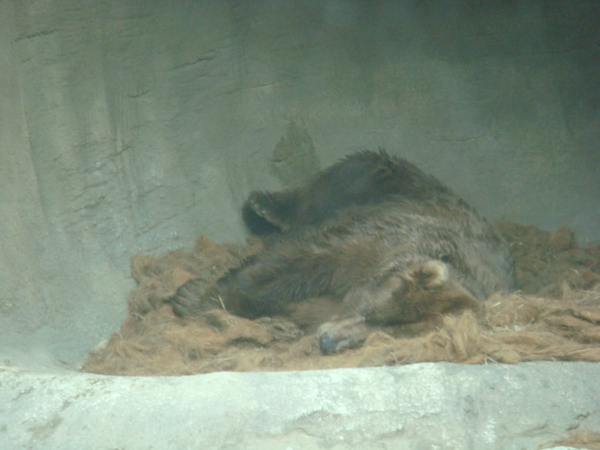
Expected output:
(418, 407)
(132, 126)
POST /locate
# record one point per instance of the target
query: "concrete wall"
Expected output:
(418, 407)
(132, 126)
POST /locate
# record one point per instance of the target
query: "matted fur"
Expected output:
(392, 244)
(555, 315)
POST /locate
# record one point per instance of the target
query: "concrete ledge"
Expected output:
(445, 406)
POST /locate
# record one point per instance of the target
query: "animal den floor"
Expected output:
(555, 315)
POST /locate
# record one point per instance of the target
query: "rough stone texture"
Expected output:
(424, 406)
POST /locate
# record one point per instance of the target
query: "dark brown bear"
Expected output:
(371, 241)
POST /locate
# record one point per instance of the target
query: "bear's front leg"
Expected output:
(192, 299)
(341, 334)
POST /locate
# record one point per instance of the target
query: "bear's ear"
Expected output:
(267, 213)
(429, 275)
(433, 291)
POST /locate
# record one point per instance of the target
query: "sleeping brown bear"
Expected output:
(371, 241)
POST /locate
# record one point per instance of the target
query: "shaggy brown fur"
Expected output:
(380, 239)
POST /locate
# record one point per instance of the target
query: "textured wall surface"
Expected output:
(424, 406)
(133, 126)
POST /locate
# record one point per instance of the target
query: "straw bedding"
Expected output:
(554, 315)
